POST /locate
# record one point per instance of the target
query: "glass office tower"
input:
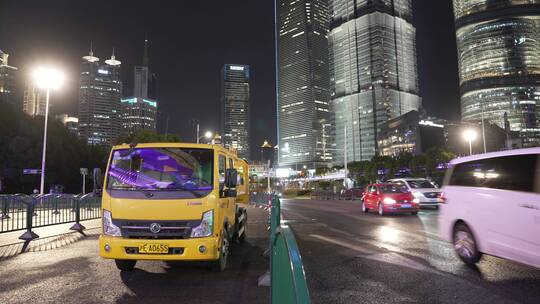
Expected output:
(235, 108)
(373, 71)
(99, 101)
(499, 63)
(303, 83)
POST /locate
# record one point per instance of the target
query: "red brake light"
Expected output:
(442, 198)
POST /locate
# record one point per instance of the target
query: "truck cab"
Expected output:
(172, 201)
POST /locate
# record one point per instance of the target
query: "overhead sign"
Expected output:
(31, 171)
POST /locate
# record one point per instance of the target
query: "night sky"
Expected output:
(189, 43)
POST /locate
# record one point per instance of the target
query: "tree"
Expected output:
(148, 136)
(21, 142)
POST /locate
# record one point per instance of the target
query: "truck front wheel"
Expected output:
(221, 263)
(125, 265)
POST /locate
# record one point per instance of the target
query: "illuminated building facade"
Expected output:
(8, 76)
(373, 71)
(499, 64)
(303, 91)
(34, 100)
(99, 101)
(138, 113)
(235, 94)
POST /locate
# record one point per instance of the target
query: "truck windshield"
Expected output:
(162, 169)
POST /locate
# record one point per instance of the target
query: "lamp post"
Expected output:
(208, 135)
(48, 79)
(470, 135)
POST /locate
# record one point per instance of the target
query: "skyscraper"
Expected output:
(7, 80)
(235, 108)
(373, 71)
(138, 114)
(34, 100)
(499, 63)
(99, 100)
(140, 110)
(303, 85)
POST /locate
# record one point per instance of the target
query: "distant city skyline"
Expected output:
(185, 68)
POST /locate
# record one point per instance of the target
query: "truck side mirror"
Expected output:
(97, 179)
(231, 178)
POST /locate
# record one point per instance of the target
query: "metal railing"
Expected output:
(287, 275)
(19, 211)
(324, 195)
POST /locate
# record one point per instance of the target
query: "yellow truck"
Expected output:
(173, 201)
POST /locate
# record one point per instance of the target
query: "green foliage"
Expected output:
(21, 143)
(419, 165)
(147, 136)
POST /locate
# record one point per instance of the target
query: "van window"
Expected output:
(514, 172)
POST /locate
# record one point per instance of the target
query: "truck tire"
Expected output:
(221, 263)
(125, 265)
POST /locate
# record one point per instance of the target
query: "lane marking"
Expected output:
(386, 257)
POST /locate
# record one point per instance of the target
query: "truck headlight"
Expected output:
(389, 201)
(108, 227)
(206, 227)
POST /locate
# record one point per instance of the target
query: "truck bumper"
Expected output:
(183, 250)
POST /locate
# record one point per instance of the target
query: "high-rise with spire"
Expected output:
(99, 100)
(139, 111)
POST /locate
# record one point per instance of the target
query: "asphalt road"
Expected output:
(76, 274)
(352, 257)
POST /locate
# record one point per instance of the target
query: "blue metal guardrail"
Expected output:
(20, 211)
(287, 275)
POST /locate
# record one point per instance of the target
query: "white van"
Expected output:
(492, 206)
(424, 190)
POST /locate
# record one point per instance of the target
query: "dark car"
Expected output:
(352, 194)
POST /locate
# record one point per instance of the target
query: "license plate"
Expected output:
(405, 205)
(154, 248)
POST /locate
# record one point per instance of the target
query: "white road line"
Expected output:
(386, 257)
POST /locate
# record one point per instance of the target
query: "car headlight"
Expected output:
(416, 201)
(389, 201)
(206, 227)
(417, 194)
(108, 227)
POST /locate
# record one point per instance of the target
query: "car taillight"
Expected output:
(442, 198)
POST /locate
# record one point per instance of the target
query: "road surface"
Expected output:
(76, 274)
(352, 257)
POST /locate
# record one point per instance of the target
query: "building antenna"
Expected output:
(145, 57)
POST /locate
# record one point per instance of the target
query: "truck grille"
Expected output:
(140, 229)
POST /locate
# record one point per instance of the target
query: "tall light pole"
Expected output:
(208, 135)
(48, 79)
(470, 135)
(483, 129)
(345, 152)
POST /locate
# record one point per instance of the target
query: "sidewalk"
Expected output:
(50, 237)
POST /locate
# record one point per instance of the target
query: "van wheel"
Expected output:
(125, 265)
(381, 209)
(364, 208)
(221, 264)
(465, 244)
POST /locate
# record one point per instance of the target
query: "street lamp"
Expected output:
(208, 135)
(48, 79)
(470, 135)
